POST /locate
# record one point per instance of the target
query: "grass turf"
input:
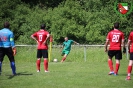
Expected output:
(64, 75)
(73, 73)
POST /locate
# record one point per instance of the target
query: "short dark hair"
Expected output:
(116, 25)
(43, 26)
(6, 25)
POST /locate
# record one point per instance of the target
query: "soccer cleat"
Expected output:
(128, 78)
(62, 61)
(14, 74)
(115, 74)
(38, 70)
(46, 71)
(110, 73)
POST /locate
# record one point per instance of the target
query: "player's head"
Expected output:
(42, 26)
(6, 25)
(116, 25)
(66, 38)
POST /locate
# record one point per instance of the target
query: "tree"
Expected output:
(85, 21)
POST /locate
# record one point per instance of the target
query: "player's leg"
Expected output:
(9, 53)
(62, 54)
(45, 56)
(1, 58)
(0, 67)
(64, 58)
(65, 55)
(117, 65)
(118, 57)
(46, 64)
(129, 68)
(38, 61)
(110, 62)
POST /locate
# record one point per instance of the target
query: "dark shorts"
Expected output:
(116, 53)
(131, 56)
(42, 53)
(8, 52)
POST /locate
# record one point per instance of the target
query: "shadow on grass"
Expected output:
(122, 74)
(119, 75)
(19, 74)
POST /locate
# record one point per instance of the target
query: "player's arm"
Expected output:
(107, 42)
(13, 44)
(106, 45)
(123, 44)
(62, 47)
(128, 45)
(76, 42)
(48, 35)
(33, 37)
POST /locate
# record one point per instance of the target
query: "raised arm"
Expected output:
(76, 42)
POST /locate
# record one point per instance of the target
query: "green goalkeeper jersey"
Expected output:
(67, 45)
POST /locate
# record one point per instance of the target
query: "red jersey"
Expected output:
(130, 38)
(115, 38)
(41, 37)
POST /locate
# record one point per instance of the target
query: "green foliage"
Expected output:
(85, 21)
(6, 10)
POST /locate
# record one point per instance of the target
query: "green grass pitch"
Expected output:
(73, 73)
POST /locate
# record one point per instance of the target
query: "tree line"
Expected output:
(85, 21)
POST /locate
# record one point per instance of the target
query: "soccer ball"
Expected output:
(55, 60)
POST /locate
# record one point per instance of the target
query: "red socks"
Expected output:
(64, 58)
(129, 69)
(117, 67)
(38, 64)
(46, 65)
(110, 63)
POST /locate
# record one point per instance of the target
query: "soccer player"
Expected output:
(115, 38)
(41, 38)
(129, 68)
(66, 48)
(7, 47)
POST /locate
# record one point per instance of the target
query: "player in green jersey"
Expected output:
(67, 48)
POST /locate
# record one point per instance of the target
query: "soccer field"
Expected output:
(71, 74)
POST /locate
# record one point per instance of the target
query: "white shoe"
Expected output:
(46, 71)
(38, 70)
(110, 73)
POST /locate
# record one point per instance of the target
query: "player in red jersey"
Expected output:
(130, 43)
(115, 38)
(41, 38)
